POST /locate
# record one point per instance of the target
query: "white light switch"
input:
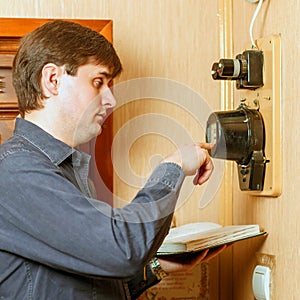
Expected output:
(261, 283)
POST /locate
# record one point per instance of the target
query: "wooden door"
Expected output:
(11, 31)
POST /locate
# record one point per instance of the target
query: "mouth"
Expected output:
(102, 116)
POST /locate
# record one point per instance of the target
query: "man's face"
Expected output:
(85, 99)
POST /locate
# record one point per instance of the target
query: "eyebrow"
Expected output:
(106, 74)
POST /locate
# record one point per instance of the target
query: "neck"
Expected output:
(52, 124)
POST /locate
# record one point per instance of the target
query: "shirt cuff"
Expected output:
(169, 174)
(143, 281)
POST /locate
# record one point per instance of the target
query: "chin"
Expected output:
(88, 136)
(94, 131)
(99, 131)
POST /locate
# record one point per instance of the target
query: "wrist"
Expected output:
(174, 163)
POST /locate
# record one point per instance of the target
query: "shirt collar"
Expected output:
(56, 150)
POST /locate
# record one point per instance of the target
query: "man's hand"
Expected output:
(194, 160)
(173, 264)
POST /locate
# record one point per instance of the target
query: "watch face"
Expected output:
(157, 269)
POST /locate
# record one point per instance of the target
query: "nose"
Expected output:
(107, 98)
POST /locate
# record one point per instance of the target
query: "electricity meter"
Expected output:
(239, 135)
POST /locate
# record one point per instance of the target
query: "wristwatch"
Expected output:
(157, 269)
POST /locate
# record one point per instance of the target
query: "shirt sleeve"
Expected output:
(143, 281)
(45, 218)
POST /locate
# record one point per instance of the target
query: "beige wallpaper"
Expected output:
(174, 40)
(280, 216)
(177, 41)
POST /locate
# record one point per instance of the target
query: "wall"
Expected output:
(178, 40)
(167, 39)
(279, 216)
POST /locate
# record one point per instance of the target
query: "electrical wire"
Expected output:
(252, 22)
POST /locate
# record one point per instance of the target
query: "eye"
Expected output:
(98, 83)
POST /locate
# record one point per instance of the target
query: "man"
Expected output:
(56, 240)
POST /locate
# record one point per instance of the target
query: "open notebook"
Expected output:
(202, 235)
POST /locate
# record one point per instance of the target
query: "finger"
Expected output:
(201, 256)
(215, 251)
(206, 146)
(204, 172)
(203, 175)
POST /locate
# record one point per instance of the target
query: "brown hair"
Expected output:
(62, 43)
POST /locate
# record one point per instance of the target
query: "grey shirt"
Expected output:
(56, 240)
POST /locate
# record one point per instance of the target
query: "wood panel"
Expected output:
(171, 39)
(14, 28)
(179, 40)
(11, 31)
(8, 100)
(279, 215)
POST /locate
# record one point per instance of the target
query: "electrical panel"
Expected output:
(251, 134)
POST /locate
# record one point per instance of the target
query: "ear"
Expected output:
(50, 79)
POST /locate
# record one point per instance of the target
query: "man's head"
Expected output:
(62, 43)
